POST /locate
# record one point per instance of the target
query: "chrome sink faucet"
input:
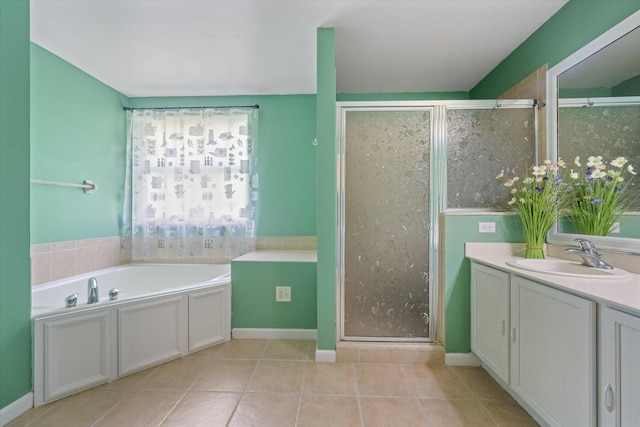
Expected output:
(589, 254)
(93, 291)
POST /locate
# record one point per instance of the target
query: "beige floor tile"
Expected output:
(455, 413)
(81, 409)
(481, 383)
(203, 408)
(287, 350)
(277, 377)
(243, 349)
(382, 380)
(129, 382)
(508, 414)
(330, 378)
(210, 353)
(439, 382)
(32, 414)
(371, 355)
(178, 374)
(347, 355)
(141, 408)
(225, 375)
(402, 355)
(265, 410)
(322, 411)
(391, 411)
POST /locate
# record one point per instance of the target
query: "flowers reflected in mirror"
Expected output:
(598, 194)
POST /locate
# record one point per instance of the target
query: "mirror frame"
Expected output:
(608, 243)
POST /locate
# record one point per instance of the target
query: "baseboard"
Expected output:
(325, 356)
(16, 408)
(461, 359)
(274, 334)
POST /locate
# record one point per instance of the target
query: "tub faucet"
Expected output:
(589, 255)
(93, 291)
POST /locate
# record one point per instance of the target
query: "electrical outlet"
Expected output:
(486, 227)
(283, 293)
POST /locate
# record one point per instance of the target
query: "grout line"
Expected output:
(300, 394)
(355, 380)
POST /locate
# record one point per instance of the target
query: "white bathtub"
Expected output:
(163, 311)
(132, 280)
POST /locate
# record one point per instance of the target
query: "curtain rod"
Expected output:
(255, 107)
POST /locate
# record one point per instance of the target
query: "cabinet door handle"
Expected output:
(608, 398)
(503, 327)
(513, 335)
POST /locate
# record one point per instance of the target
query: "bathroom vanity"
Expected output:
(564, 345)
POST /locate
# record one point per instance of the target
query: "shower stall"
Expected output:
(402, 164)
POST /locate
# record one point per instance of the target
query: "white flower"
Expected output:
(598, 174)
(573, 175)
(620, 179)
(619, 162)
(514, 190)
(577, 161)
(547, 162)
(527, 180)
(630, 169)
(512, 201)
(509, 183)
(539, 170)
(594, 161)
(561, 163)
(501, 174)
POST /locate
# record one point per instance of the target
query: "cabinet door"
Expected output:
(553, 353)
(77, 355)
(490, 318)
(209, 317)
(619, 369)
(151, 333)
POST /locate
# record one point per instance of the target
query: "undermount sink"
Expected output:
(562, 267)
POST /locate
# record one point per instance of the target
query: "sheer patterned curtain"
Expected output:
(192, 183)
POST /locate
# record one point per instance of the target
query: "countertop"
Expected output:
(623, 294)
(279, 256)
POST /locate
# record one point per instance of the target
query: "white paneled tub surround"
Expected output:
(163, 311)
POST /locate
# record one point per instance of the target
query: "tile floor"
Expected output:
(277, 383)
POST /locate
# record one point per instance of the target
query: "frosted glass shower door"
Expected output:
(385, 178)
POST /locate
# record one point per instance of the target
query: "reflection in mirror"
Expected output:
(593, 100)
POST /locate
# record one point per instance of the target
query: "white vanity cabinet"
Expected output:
(618, 368)
(490, 318)
(553, 349)
(541, 342)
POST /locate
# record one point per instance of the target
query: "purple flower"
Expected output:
(538, 190)
(596, 201)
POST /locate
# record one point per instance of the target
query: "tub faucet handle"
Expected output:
(93, 291)
(71, 300)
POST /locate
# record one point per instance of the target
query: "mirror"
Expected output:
(593, 109)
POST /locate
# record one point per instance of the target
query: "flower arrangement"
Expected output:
(535, 197)
(598, 198)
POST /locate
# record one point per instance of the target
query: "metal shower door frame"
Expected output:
(437, 196)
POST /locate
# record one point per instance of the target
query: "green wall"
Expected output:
(326, 207)
(78, 131)
(254, 289)
(458, 230)
(15, 275)
(577, 23)
(287, 162)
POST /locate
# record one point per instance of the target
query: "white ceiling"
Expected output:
(262, 47)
